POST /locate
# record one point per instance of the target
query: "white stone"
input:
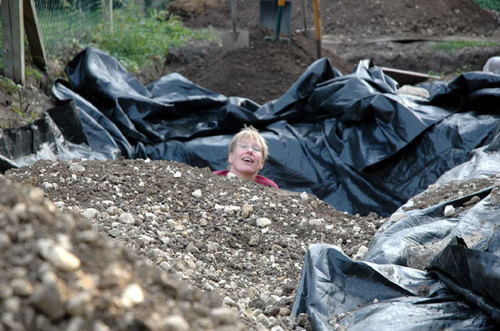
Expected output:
(76, 167)
(362, 250)
(4, 240)
(146, 240)
(316, 221)
(58, 256)
(449, 210)
(113, 210)
(90, 213)
(127, 218)
(132, 295)
(21, 286)
(175, 323)
(231, 209)
(414, 90)
(246, 210)
(47, 186)
(196, 193)
(59, 204)
(263, 222)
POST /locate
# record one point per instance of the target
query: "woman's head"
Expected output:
(247, 153)
(250, 133)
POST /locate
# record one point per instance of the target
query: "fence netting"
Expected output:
(66, 22)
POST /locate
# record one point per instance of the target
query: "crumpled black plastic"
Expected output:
(455, 287)
(351, 140)
(359, 295)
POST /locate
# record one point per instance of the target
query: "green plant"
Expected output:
(20, 105)
(455, 45)
(8, 86)
(33, 72)
(489, 4)
(137, 37)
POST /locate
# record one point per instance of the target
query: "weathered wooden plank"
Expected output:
(34, 34)
(13, 40)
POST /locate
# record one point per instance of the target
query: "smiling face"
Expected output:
(246, 159)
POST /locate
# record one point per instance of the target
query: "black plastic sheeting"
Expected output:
(351, 140)
(422, 271)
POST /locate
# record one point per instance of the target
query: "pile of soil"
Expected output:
(392, 33)
(261, 72)
(182, 224)
(397, 34)
(355, 19)
(204, 252)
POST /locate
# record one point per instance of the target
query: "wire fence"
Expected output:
(66, 22)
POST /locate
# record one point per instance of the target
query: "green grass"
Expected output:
(138, 38)
(489, 4)
(456, 45)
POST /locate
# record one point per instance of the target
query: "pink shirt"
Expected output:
(259, 179)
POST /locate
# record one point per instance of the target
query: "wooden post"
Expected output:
(13, 40)
(107, 12)
(34, 34)
(317, 24)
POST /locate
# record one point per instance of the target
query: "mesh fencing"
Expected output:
(65, 22)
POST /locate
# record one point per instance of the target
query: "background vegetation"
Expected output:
(489, 4)
(139, 36)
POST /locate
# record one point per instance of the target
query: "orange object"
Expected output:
(317, 25)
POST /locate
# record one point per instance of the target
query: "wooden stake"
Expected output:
(34, 34)
(13, 40)
(317, 24)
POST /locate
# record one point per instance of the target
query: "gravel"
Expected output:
(158, 245)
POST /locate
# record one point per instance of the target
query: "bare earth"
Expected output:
(196, 244)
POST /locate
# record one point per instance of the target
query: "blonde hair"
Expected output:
(249, 132)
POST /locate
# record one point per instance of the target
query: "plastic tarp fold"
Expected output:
(423, 270)
(338, 292)
(58, 135)
(351, 140)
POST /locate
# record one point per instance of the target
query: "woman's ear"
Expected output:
(262, 164)
(230, 158)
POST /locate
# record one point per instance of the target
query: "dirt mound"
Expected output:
(352, 31)
(359, 18)
(58, 272)
(262, 72)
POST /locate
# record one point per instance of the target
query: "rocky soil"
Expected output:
(158, 245)
(164, 246)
